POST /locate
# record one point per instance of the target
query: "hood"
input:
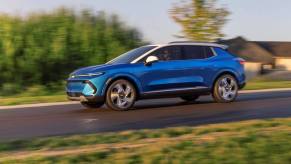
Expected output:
(92, 69)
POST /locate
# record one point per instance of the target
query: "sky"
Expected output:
(260, 20)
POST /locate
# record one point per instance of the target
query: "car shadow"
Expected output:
(171, 104)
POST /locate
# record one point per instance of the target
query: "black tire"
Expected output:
(92, 105)
(190, 97)
(120, 100)
(220, 88)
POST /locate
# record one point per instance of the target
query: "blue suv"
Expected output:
(178, 69)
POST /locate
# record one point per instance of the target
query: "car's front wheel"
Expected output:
(120, 95)
(225, 89)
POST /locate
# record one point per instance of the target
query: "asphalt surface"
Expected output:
(159, 113)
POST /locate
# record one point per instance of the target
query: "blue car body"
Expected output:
(90, 83)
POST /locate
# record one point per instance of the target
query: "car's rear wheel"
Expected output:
(120, 95)
(92, 104)
(190, 97)
(225, 89)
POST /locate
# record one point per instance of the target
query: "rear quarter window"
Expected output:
(208, 52)
(223, 52)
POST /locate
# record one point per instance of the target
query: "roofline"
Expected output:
(191, 43)
(171, 44)
(200, 44)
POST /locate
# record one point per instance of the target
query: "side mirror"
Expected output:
(150, 60)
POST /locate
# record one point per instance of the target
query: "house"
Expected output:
(281, 52)
(260, 55)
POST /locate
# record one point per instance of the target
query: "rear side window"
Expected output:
(168, 53)
(197, 52)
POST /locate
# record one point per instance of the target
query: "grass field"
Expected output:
(257, 84)
(32, 95)
(32, 99)
(257, 141)
(38, 95)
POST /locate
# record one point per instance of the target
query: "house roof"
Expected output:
(278, 49)
(250, 51)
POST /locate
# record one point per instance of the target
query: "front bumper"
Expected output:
(83, 98)
(82, 90)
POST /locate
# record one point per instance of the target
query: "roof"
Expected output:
(278, 49)
(198, 44)
(250, 51)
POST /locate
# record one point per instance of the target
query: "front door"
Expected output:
(171, 72)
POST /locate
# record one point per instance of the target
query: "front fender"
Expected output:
(126, 76)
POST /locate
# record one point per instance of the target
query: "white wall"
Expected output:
(252, 69)
(283, 63)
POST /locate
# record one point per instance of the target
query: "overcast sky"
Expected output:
(253, 19)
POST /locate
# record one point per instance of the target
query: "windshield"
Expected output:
(131, 55)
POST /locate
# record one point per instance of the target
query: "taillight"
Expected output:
(241, 61)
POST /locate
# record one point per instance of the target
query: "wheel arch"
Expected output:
(129, 78)
(225, 72)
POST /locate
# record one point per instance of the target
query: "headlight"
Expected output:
(87, 75)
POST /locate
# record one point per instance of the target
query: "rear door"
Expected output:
(198, 63)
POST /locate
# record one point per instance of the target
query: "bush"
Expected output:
(10, 89)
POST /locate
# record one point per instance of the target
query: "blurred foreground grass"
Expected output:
(257, 141)
(40, 94)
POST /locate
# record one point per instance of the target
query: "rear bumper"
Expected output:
(242, 85)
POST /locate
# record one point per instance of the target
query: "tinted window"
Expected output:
(223, 52)
(208, 52)
(197, 52)
(168, 53)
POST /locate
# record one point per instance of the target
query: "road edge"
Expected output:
(265, 90)
(38, 105)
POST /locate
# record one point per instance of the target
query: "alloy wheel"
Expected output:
(227, 88)
(122, 95)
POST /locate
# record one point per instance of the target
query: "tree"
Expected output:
(201, 20)
(43, 48)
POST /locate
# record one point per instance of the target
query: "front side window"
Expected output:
(197, 52)
(131, 55)
(168, 53)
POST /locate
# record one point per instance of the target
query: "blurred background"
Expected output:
(41, 42)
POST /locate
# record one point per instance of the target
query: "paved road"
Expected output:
(74, 119)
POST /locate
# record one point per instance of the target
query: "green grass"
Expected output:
(257, 141)
(32, 95)
(32, 100)
(258, 84)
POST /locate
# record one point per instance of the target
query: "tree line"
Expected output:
(43, 48)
